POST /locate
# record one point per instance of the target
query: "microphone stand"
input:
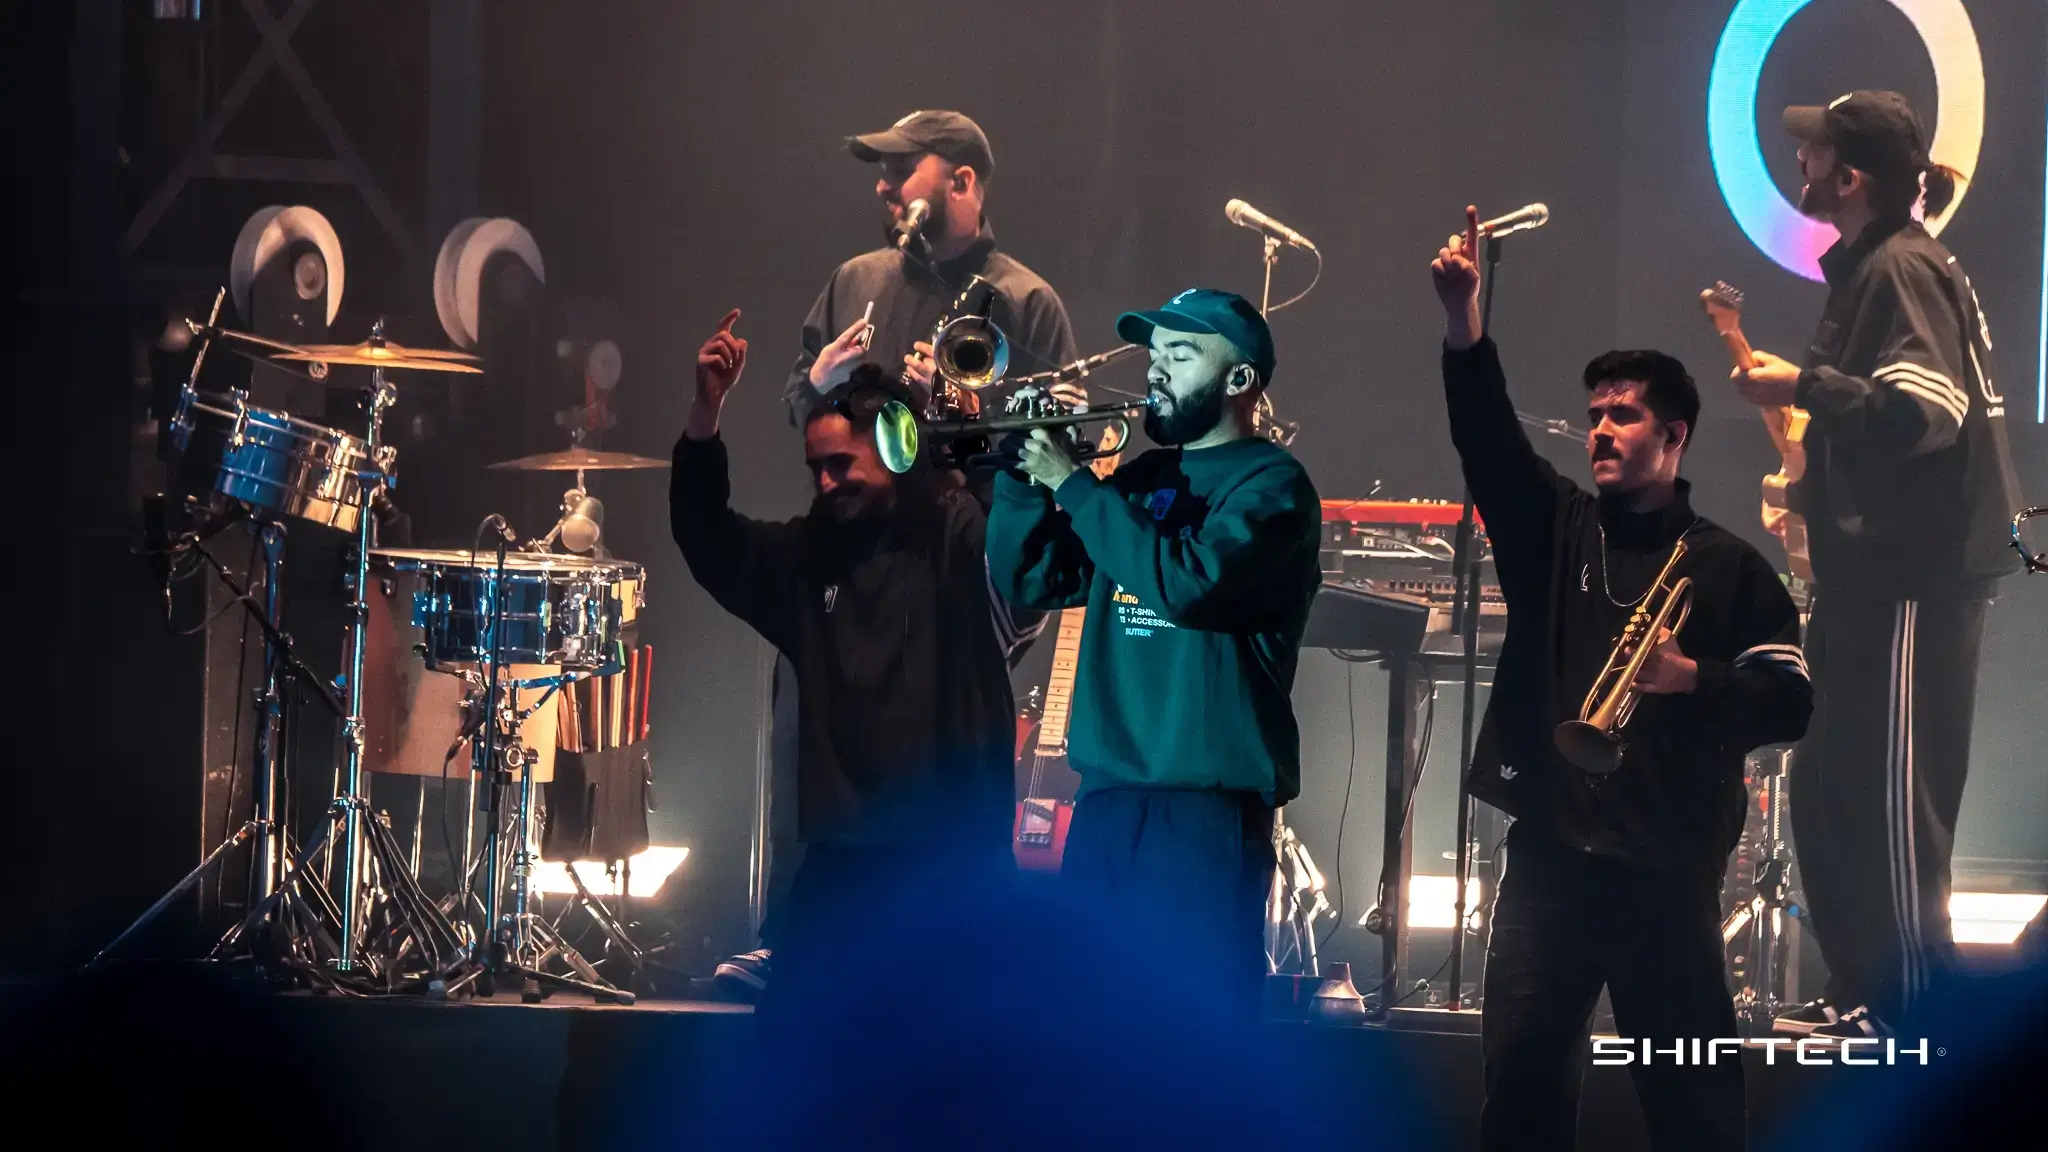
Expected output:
(1465, 617)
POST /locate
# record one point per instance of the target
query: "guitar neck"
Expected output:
(1059, 684)
(1778, 421)
(1738, 349)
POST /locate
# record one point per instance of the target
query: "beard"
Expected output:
(1818, 199)
(934, 221)
(1175, 422)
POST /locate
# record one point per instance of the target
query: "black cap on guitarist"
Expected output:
(1908, 495)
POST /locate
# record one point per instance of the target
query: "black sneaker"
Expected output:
(1803, 1020)
(1858, 1023)
(748, 971)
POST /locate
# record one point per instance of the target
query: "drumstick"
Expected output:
(632, 696)
(617, 716)
(646, 689)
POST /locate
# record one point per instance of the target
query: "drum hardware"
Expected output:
(1760, 993)
(479, 618)
(518, 942)
(581, 526)
(1294, 900)
(265, 829)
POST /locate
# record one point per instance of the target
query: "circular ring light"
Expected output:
(1771, 223)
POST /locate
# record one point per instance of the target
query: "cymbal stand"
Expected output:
(351, 805)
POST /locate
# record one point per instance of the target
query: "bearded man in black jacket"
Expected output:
(1612, 878)
(1908, 494)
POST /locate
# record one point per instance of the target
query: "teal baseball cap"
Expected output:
(1209, 310)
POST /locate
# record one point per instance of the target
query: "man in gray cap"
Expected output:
(1908, 493)
(883, 307)
(942, 160)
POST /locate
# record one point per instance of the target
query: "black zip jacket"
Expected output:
(1564, 557)
(1909, 490)
(905, 718)
(910, 299)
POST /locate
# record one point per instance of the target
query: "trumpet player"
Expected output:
(1612, 876)
(1196, 563)
(883, 306)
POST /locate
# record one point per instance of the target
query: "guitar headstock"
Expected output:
(1723, 303)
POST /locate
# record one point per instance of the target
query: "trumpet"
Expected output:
(1593, 741)
(900, 435)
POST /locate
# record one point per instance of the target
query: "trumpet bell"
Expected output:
(1585, 745)
(896, 436)
(971, 353)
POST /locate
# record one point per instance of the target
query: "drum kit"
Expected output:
(511, 625)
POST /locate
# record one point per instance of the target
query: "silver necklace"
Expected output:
(1607, 588)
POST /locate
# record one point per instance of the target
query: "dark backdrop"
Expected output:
(674, 160)
(688, 162)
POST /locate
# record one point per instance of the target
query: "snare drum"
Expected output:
(569, 611)
(272, 460)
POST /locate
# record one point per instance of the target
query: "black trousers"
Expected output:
(1173, 883)
(891, 962)
(1876, 787)
(1565, 924)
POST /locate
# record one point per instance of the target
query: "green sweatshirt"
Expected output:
(1197, 569)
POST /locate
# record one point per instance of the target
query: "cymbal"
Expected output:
(579, 460)
(385, 354)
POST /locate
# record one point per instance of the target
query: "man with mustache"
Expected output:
(1613, 874)
(879, 597)
(1197, 562)
(1908, 496)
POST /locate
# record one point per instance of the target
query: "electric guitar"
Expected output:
(1038, 835)
(1787, 426)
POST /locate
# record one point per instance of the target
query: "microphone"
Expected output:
(1520, 220)
(906, 229)
(1245, 216)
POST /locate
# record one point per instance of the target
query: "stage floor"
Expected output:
(569, 1074)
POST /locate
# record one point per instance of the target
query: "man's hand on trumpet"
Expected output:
(1047, 456)
(1666, 671)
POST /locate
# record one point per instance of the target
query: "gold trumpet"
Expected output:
(1593, 741)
